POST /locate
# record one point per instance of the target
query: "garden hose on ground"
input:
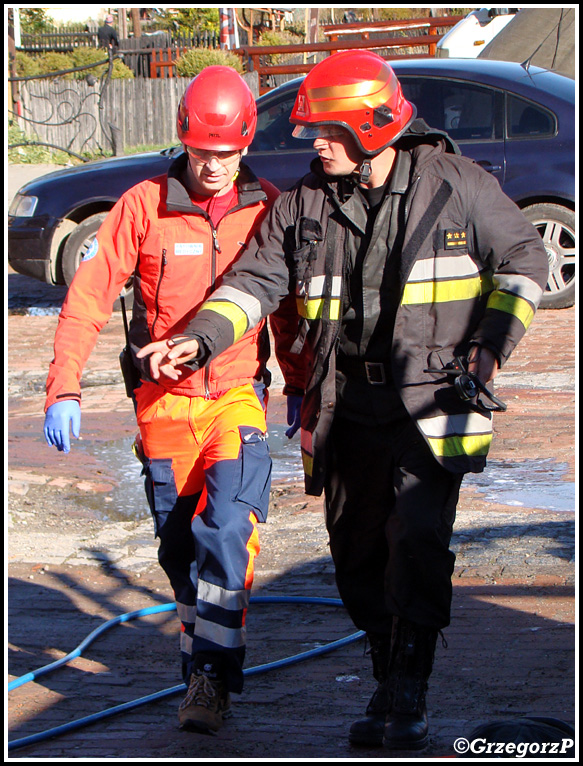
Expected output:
(81, 722)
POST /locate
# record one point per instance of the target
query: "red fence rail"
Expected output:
(415, 33)
(422, 33)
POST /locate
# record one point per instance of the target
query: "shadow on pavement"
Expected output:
(510, 652)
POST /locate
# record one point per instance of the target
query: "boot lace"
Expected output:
(201, 691)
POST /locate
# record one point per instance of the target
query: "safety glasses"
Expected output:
(204, 156)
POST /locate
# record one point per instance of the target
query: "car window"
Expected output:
(464, 110)
(525, 119)
(274, 130)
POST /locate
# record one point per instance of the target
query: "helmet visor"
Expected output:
(312, 132)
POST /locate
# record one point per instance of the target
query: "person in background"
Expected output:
(107, 35)
(202, 440)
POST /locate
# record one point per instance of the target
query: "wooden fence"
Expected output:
(58, 41)
(138, 112)
(142, 111)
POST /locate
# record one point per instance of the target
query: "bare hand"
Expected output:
(166, 355)
(483, 363)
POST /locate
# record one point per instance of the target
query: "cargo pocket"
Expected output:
(160, 489)
(252, 481)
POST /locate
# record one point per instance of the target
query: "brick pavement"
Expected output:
(510, 645)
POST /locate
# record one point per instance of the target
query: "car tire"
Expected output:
(556, 226)
(77, 244)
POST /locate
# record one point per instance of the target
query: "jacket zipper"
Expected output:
(162, 269)
(216, 249)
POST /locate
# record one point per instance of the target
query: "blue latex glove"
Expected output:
(294, 406)
(61, 417)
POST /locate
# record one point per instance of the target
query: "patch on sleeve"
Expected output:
(92, 251)
(455, 238)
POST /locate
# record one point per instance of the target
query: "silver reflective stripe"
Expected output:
(227, 599)
(519, 285)
(247, 303)
(448, 425)
(447, 267)
(231, 638)
(316, 287)
(186, 612)
(186, 643)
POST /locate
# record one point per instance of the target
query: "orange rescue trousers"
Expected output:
(207, 474)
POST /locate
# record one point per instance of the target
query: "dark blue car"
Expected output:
(518, 123)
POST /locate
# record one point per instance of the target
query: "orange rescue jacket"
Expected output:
(177, 256)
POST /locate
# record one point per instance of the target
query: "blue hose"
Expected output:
(81, 722)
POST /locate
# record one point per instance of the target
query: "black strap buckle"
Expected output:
(375, 373)
(470, 388)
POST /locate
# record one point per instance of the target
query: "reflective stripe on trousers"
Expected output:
(207, 481)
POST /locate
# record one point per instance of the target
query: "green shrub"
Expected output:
(193, 61)
(85, 56)
(32, 155)
(25, 65)
(121, 71)
(55, 62)
(273, 37)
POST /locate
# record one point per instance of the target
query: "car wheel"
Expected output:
(556, 226)
(78, 243)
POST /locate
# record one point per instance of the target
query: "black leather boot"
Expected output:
(369, 730)
(410, 666)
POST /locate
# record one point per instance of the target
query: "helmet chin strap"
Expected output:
(364, 172)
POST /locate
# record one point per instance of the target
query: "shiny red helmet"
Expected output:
(217, 111)
(357, 90)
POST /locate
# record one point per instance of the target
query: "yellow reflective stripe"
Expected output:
(443, 292)
(314, 307)
(452, 446)
(512, 304)
(308, 463)
(235, 315)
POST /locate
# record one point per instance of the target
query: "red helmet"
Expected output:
(359, 91)
(217, 111)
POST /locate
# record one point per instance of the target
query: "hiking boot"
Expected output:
(207, 700)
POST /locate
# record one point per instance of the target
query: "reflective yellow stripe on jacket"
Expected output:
(453, 435)
(310, 298)
(445, 279)
(242, 310)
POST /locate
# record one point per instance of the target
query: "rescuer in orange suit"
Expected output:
(202, 440)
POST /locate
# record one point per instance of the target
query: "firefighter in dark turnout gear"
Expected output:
(395, 266)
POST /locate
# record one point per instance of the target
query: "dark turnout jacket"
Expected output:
(467, 268)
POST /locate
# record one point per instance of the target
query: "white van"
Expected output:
(471, 35)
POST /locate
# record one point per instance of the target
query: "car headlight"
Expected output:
(23, 206)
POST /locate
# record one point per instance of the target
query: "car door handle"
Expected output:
(489, 167)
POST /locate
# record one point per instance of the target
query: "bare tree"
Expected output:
(136, 23)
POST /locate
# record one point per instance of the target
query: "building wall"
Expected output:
(61, 14)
